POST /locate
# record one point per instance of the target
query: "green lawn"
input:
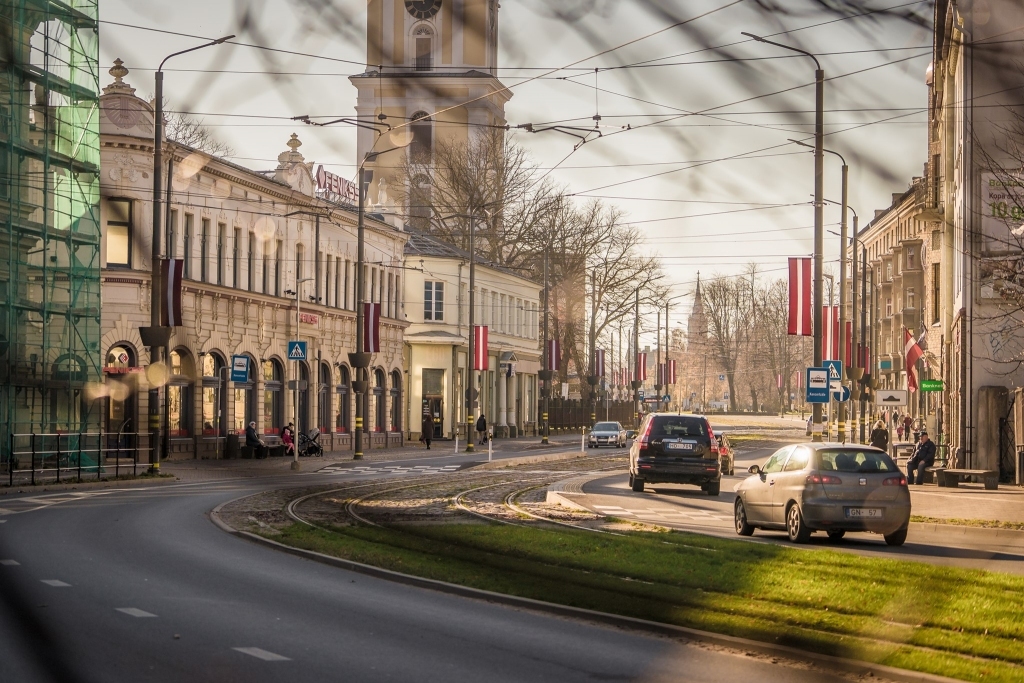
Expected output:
(954, 622)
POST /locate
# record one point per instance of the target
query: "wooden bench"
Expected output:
(950, 478)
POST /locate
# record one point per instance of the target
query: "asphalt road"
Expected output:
(139, 585)
(686, 507)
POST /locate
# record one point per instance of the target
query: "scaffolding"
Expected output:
(50, 358)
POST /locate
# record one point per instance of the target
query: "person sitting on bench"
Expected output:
(924, 456)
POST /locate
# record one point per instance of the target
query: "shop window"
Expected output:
(244, 402)
(273, 396)
(179, 396)
(324, 399)
(342, 417)
(213, 394)
(396, 401)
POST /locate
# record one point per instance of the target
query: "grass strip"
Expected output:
(943, 620)
(980, 523)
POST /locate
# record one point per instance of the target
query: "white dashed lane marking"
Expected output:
(134, 612)
(9, 563)
(261, 654)
(56, 583)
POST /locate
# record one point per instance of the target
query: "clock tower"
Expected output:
(431, 64)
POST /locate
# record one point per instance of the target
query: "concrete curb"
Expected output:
(109, 484)
(829, 662)
(975, 531)
(529, 459)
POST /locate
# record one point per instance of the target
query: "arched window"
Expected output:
(423, 46)
(422, 146)
(243, 401)
(324, 399)
(121, 389)
(396, 401)
(273, 396)
(179, 394)
(342, 419)
(213, 394)
(379, 414)
(303, 422)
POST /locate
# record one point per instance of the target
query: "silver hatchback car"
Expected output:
(828, 487)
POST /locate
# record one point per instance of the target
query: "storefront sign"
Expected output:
(931, 385)
(336, 188)
(309, 318)
(118, 370)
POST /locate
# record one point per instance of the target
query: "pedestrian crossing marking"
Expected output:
(389, 469)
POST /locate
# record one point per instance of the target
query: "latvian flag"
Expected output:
(641, 366)
(913, 353)
(171, 272)
(371, 327)
(800, 297)
(661, 374)
(830, 332)
(480, 347)
(554, 355)
(599, 363)
(671, 372)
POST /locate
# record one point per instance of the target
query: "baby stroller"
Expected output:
(309, 444)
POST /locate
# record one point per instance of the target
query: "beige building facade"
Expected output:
(248, 267)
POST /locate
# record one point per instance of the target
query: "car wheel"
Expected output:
(795, 526)
(898, 537)
(743, 528)
(836, 535)
(713, 488)
(636, 484)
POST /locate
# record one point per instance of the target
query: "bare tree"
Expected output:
(186, 130)
(727, 305)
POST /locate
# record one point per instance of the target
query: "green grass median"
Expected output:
(954, 622)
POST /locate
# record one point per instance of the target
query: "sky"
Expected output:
(711, 193)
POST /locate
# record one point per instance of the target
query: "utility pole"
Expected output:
(471, 364)
(636, 360)
(545, 372)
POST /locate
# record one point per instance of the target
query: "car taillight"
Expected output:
(823, 479)
(644, 437)
(895, 481)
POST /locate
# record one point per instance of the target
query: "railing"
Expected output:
(59, 457)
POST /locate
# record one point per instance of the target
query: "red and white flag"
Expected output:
(599, 363)
(554, 355)
(830, 332)
(170, 276)
(480, 347)
(662, 373)
(671, 372)
(641, 366)
(913, 353)
(371, 327)
(800, 297)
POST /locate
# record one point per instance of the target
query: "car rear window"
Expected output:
(606, 427)
(852, 460)
(679, 426)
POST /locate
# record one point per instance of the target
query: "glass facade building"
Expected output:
(50, 357)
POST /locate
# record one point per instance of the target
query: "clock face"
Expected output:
(423, 9)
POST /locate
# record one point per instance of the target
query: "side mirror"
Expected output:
(754, 469)
(630, 433)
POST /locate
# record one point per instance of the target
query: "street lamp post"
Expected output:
(471, 359)
(636, 360)
(156, 336)
(298, 375)
(545, 372)
(819, 215)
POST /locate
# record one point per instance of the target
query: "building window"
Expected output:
(378, 410)
(888, 271)
(204, 251)
(236, 265)
(888, 307)
(433, 300)
(936, 293)
(119, 233)
(277, 267)
(250, 269)
(244, 402)
(341, 418)
(300, 252)
(179, 397)
(911, 299)
(324, 399)
(172, 234)
(187, 237)
(348, 278)
(213, 392)
(422, 146)
(273, 396)
(221, 237)
(423, 43)
(266, 266)
(396, 401)
(911, 258)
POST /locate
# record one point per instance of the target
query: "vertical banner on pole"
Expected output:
(371, 325)
(170, 276)
(480, 347)
(641, 366)
(830, 332)
(554, 355)
(671, 372)
(800, 297)
(599, 363)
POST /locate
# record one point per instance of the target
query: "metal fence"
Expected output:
(573, 415)
(64, 457)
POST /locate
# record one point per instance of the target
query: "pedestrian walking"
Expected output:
(924, 456)
(908, 426)
(427, 430)
(481, 428)
(880, 436)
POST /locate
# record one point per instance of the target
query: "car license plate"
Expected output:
(870, 513)
(680, 446)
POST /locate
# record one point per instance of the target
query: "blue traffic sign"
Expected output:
(835, 370)
(841, 393)
(817, 385)
(240, 369)
(296, 350)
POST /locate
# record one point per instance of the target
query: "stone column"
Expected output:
(513, 393)
(501, 427)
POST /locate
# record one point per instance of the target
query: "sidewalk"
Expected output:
(969, 501)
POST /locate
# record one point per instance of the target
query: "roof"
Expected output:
(422, 244)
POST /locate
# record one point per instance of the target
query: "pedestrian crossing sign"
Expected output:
(835, 371)
(296, 350)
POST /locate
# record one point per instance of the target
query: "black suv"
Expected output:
(675, 449)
